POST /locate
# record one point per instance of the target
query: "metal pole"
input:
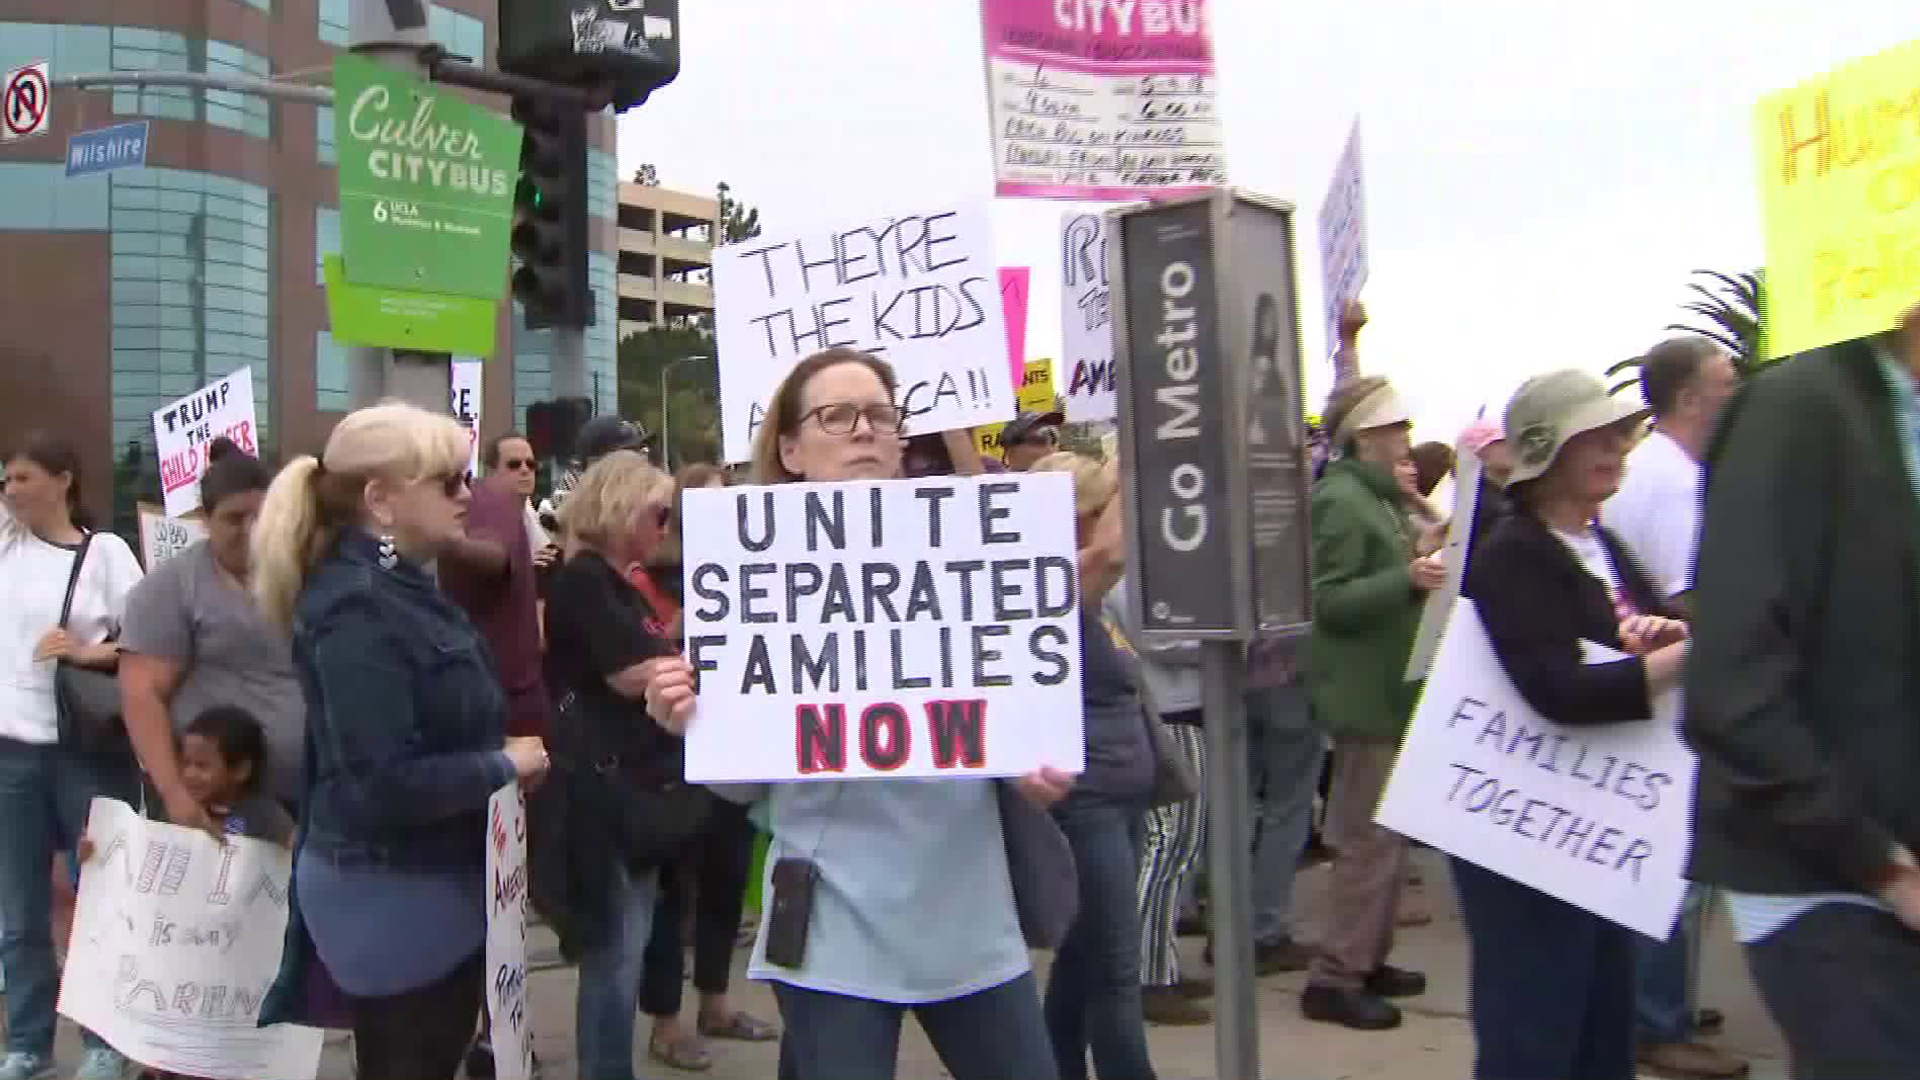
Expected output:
(1236, 1033)
(569, 360)
(242, 84)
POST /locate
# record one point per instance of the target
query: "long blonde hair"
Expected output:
(312, 499)
(600, 510)
(1095, 482)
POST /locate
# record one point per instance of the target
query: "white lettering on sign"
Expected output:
(1183, 528)
(430, 143)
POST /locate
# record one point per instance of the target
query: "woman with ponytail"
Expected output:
(405, 739)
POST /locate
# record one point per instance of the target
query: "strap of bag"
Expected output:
(73, 578)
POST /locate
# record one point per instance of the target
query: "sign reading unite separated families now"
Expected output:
(884, 628)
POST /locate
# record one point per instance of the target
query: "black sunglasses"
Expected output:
(517, 464)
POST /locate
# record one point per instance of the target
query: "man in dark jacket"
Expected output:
(1803, 698)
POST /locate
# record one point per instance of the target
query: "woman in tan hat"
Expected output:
(1553, 985)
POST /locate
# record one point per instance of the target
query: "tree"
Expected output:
(693, 388)
(1732, 314)
(738, 221)
(647, 176)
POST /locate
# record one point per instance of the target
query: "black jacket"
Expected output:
(1538, 603)
(1802, 693)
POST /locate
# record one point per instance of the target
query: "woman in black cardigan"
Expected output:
(1553, 984)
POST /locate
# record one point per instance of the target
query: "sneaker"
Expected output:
(1168, 1006)
(105, 1063)
(1690, 1061)
(19, 1066)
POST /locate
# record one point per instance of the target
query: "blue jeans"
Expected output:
(45, 795)
(1093, 998)
(1660, 992)
(610, 973)
(1284, 754)
(996, 1034)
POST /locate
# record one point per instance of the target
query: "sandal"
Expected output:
(687, 1055)
(743, 1027)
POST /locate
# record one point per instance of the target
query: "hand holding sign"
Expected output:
(670, 692)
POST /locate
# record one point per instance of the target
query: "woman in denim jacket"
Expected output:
(404, 739)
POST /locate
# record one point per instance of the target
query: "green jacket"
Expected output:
(1365, 611)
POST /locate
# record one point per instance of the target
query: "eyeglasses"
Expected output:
(452, 484)
(840, 418)
(517, 464)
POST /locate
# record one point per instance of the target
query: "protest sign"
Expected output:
(1036, 394)
(1440, 602)
(1014, 281)
(507, 934)
(183, 430)
(468, 378)
(1102, 102)
(1839, 160)
(1594, 815)
(1343, 238)
(176, 939)
(884, 628)
(163, 537)
(1086, 319)
(918, 289)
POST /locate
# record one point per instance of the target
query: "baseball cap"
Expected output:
(1026, 424)
(1550, 409)
(602, 435)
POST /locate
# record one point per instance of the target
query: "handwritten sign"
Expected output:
(1343, 238)
(163, 537)
(1839, 160)
(1014, 283)
(183, 430)
(1086, 319)
(885, 628)
(1102, 101)
(176, 938)
(1441, 602)
(469, 378)
(919, 289)
(1596, 816)
(507, 934)
(1036, 394)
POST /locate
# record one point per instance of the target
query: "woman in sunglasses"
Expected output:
(406, 740)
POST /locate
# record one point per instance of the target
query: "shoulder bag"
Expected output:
(87, 700)
(634, 782)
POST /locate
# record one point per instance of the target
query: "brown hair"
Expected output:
(784, 415)
(55, 455)
(1432, 461)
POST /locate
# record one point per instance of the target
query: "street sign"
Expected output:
(24, 104)
(406, 319)
(107, 149)
(426, 184)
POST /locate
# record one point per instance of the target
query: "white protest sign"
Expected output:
(920, 289)
(468, 376)
(507, 934)
(884, 628)
(176, 939)
(183, 430)
(1440, 602)
(1086, 319)
(163, 537)
(1343, 238)
(1596, 816)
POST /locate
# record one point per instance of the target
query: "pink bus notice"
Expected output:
(1103, 100)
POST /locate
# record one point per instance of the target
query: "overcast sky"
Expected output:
(1540, 178)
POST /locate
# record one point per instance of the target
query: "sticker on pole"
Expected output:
(24, 110)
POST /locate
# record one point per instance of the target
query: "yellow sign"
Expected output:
(1840, 198)
(1036, 395)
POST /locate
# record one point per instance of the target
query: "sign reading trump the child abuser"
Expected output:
(919, 628)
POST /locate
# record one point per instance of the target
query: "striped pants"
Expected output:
(1174, 838)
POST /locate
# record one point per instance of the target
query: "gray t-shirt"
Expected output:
(189, 612)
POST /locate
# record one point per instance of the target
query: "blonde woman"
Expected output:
(405, 725)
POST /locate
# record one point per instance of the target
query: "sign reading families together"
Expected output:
(884, 628)
(1596, 816)
(919, 289)
(184, 430)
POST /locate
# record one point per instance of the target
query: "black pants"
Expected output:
(1842, 981)
(421, 1034)
(712, 879)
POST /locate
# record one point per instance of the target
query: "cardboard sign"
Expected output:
(1014, 283)
(1036, 394)
(1343, 238)
(468, 379)
(1596, 816)
(919, 289)
(1086, 319)
(899, 628)
(507, 934)
(1440, 602)
(183, 430)
(1839, 160)
(163, 537)
(176, 939)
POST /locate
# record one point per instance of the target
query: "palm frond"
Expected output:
(1632, 363)
(1622, 386)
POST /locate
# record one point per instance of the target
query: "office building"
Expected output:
(666, 257)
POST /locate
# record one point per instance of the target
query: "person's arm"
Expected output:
(493, 522)
(1764, 535)
(619, 643)
(962, 452)
(157, 636)
(1346, 358)
(1349, 591)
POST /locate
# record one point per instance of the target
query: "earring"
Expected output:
(389, 555)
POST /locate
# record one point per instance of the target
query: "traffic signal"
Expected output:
(550, 215)
(623, 49)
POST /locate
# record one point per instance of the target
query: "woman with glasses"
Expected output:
(912, 904)
(406, 740)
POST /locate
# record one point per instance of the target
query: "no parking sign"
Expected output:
(24, 103)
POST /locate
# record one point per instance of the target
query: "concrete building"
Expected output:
(666, 256)
(122, 291)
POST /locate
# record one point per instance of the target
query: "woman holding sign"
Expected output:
(1553, 985)
(862, 924)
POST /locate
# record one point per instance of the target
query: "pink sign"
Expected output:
(1013, 302)
(1101, 100)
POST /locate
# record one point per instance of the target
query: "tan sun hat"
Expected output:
(1550, 409)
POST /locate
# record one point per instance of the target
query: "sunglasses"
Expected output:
(451, 484)
(517, 464)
